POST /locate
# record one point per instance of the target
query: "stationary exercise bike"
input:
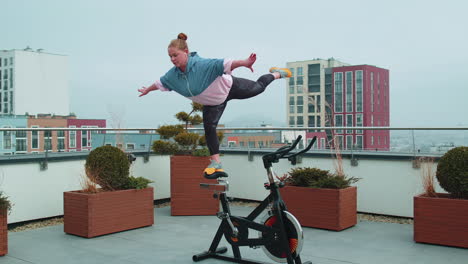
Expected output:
(279, 234)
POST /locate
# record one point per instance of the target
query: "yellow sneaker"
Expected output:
(284, 72)
(213, 167)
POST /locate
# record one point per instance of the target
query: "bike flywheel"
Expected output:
(294, 235)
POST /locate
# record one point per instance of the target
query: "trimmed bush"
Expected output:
(305, 177)
(137, 183)
(203, 152)
(317, 178)
(165, 147)
(5, 204)
(187, 140)
(170, 131)
(109, 167)
(452, 172)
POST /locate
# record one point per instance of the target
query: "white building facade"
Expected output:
(33, 82)
(307, 91)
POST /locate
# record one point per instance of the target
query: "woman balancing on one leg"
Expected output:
(209, 82)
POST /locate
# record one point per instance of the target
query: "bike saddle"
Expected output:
(215, 175)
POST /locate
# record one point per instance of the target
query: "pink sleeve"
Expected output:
(227, 66)
(160, 86)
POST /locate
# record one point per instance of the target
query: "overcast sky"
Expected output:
(115, 47)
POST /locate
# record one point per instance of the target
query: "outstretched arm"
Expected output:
(146, 90)
(245, 63)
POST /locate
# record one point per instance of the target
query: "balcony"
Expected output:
(176, 239)
(389, 181)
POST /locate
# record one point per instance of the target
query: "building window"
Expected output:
(313, 72)
(11, 102)
(339, 123)
(21, 141)
(130, 146)
(60, 140)
(349, 142)
(90, 135)
(300, 80)
(372, 91)
(311, 121)
(291, 81)
(358, 142)
(318, 122)
(349, 123)
(11, 60)
(5, 62)
(322, 143)
(300, 121)
(84, 137)
(291, 121)
(142, 146)
(7, 139)
(339, 142)
(349, 91)
(338, 92)
(359, 122)
(317, 103)
(11, 78)
(359, 86)
(300, 104)
(72, 138)
(299, 89)
(47, 140)
(311, 105)
(35, 138)
(291, 104)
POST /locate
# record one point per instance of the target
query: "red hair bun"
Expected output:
(182, 36)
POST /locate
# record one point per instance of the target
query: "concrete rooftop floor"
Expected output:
(175, 239)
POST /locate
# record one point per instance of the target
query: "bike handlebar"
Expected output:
(282, 152)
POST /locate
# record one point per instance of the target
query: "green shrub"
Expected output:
(165, 147)
(167, 132)
(109, 167)
(5, 204)
(137, 183)
(452, 172)
(305, 177)
(203, 152)
(187, 140)
(317, 178)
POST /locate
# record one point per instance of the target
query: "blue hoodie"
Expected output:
(198, 75)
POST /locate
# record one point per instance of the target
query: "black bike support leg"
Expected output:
(284, 242)
(214, 250)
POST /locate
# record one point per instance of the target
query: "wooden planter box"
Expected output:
(333, 209)
(187, 198)
(441, 220)
(91, 215)
(3, 233)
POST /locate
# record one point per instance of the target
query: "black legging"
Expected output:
(241, 89)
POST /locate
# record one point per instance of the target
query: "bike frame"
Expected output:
(277, 209)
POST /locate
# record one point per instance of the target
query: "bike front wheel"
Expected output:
(294, 234)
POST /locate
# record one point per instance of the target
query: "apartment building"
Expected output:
(33, 82)
(325, 93)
